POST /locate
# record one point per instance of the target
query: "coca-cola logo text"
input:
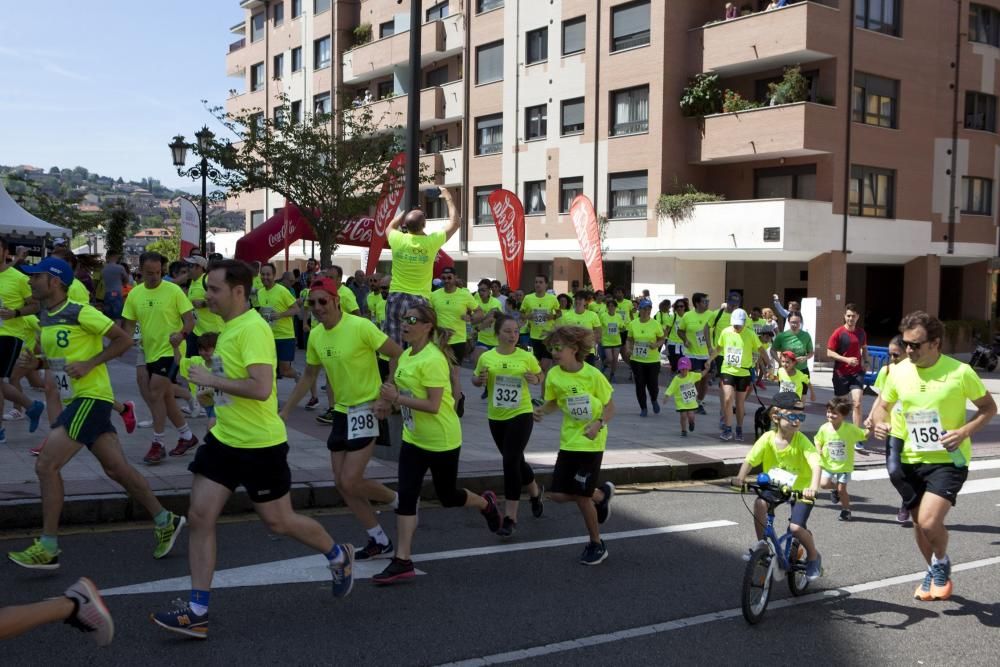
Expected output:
(586, 234)
(505, 216)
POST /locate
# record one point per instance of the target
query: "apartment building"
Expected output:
(878, 187)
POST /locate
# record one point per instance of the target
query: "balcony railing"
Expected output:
(238, 44)
(637, 39)
(629, 212)
(633, 127)
(489, 149)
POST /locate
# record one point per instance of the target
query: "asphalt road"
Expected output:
(668, 593)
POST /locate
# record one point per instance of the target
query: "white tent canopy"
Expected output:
(14, 220)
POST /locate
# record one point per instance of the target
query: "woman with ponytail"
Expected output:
(432, 434)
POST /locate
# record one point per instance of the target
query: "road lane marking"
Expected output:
(882, 473)
(310, 569)
(701, 619)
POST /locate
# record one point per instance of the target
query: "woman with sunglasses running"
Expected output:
(506, 371)
(893, 446)
(642, 351)
(669, 320)
(432, 434)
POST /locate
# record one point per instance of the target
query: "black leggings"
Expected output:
(646, 378)
(413, 465)
(511, 437)
(893, 465)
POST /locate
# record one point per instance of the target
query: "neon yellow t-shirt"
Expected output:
(246, 423)
(720, 322)
(507, 388)
(581, 396)
(451, 309)
(933, 402)
(799, 457)
(540, 312)
(836, 447)
(612, 327)
(693, 325)
(158, 311)
(76, 332)
(737, 348)
(348, 302)
(374, 299)
(413, 261)
(486, 335)
(273, 301)
(627, 308)
(644, 336)
(78, 292)
(896, 421)
(14, 290)
(256, 286)
(684, 391)
(669, 322)
(415, 374)
(588, 319)
(185, 370)
(796, 382)
(347, 354)
(205, 320)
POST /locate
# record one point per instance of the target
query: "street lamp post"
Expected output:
(203, 170)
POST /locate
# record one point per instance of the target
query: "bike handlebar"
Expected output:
(785, 492)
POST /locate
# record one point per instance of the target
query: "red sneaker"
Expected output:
(154, 455)
(184, 445)
(35, 451)
(128, 416)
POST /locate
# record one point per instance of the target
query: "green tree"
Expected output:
(169, 247)
(331, 166)
(119, 216)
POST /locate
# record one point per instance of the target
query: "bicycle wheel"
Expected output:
(797, 580)
(757, 585)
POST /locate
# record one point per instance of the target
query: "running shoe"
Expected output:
(507, 528)
(166, 536)
(182, 620)
(197, 412)
(684, 433)
(835, 496)
(941, 580)
(34, 451)
(184, 445)
(3, 437)
(13, 415)
(656, 407)
(691, 426)
(326, 417)
(374, 550)
(154, 455)
(89, 612)
(186, 409)
(643, 413)
(760, 384)
(814, 568)
(604, 507)
(397, 570)
(36, 557)
(460, 407)
(903, 515)
(537, 506)
(343, 573)
(701, 409)
(923, 591)
(128, 416)
(492, 512)
(145, 423)
(726, 435)
(594, 553)
(485, 394)
(739, 435)
(845, 515)
(312, 404)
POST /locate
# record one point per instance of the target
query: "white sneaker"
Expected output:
(186, 409)
(197, 413)
(145, 423)
(90, 614)
(13, 415)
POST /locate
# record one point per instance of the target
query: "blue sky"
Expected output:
(106, 84)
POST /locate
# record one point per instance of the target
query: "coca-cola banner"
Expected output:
(581, 211)
(508, 214)
(385, 209)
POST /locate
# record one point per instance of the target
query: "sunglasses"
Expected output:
(793, 416)
(913, 345)
(411, 319)
(312, 302)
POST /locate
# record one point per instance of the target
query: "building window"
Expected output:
(436, 77)
(489, 62)
(387, 29)
(386, 89)
(437, 12)
(984, 25)
(257, 22)
(321, 53)
(296, 111)
(797, 182)
(296, 58)
(279, 66)
(320, 6)
(630, 111)
(435, 209)
(537, 46)
(980, 111)
(321, 104)
(628, 194)
(872, 192)
(256, 123)
(878, 15)
(296, 8)
(875, 100)
(977, 195)
(482, 194)
(278, 14)
(487, 5)
(279, 117)
(536, 122)
(256, 219)
(569, 189)
(534, 197)
(572, 116)
(436, 142)
(630, 25)
(257, 76)
(574, 35)
(489, 134)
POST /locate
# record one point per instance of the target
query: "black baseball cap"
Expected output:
(788, 400)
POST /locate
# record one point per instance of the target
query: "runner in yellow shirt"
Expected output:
(579, 316)
(835, 443)
(642, 350)
(695, 332)
(612, 325)
(15, 333)
(277, 306)
(737, 343)
(455, 307)
(541, 310)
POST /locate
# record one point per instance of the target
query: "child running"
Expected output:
(204, 395)
(584, 395)
(788, 457)
(685, 392)
(791, 378)
(835, 442)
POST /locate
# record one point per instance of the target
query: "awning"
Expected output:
(14, 220)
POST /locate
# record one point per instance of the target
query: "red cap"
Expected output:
(325, 284)
(788, 354)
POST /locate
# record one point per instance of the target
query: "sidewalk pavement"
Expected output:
(638, 450)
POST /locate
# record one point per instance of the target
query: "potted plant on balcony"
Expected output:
(733, 101)
(792, 88)
(679, 205)
(362, 34)
(702, 96)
